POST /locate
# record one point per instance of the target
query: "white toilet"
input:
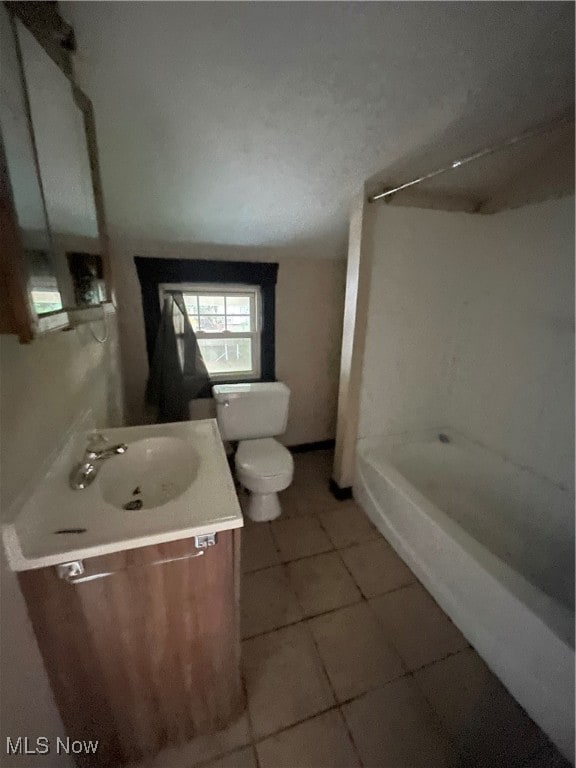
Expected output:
(253, 414)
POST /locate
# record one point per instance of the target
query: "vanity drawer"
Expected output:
(104, 566)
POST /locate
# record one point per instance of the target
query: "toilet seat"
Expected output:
(264, 465)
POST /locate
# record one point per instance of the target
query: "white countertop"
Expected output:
(208, 505)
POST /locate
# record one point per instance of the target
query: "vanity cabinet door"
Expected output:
(148, 655)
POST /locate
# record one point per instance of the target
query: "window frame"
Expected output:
(151, 271)
(227, 289)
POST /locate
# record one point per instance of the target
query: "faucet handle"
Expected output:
(96, 442)
(97, 439)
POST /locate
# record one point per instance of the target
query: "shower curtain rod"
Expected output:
(470, 158)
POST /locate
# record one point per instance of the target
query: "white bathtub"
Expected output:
(489, 541)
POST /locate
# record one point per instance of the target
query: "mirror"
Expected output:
(43, 128)
(26, 190)
(64, 164)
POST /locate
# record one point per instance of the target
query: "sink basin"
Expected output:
(152, 472)
(177, 473)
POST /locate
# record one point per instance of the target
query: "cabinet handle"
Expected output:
(93, 576)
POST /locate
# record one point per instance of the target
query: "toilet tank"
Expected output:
(249, 411)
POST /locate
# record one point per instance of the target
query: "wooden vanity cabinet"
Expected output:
(148, 655)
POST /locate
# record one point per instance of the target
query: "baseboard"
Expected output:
(340, 493)
(321, 445)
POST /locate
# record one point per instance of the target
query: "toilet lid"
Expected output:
(264, 458)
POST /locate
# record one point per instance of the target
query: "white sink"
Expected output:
(173, 482)
(152, 472)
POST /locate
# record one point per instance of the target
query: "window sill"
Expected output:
(84, 315)
(68, 319)
(55, 321)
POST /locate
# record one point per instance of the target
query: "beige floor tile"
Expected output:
(204, 748)
(267, 601)
(284, 678)
(322, 583)
(394, 727)
(314, 496)
(348, 524)
(300, 537)
(322, 742)
(313, 466)
(417, 626)
(290, 503)
(485, 722)
(312, 473)
(242, 758)
(354, 650)
(313, 500)
(258, 548)
(376, 567)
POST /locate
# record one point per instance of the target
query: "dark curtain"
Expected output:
(177, 372)
(153, 272)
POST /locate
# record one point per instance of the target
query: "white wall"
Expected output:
(44, 387)
(414, 292)
(471, 325)
(309, 310)
(511, 383)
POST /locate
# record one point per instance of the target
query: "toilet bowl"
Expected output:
(253, 414)
(264, 467)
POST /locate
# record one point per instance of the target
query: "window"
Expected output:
(219, 278)
(226, 321)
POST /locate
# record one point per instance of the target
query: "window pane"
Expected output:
(238, 323)
(194, 322)
(227, 355)
(191, 303)
(211, 305)
(212, 323)
(237, 305)
(46, 301)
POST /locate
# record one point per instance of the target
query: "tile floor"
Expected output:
(348, 661)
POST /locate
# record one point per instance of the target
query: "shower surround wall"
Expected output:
(471, 325)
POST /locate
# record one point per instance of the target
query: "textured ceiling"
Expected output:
(254, 124)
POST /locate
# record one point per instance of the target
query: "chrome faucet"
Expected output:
(85, 472)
